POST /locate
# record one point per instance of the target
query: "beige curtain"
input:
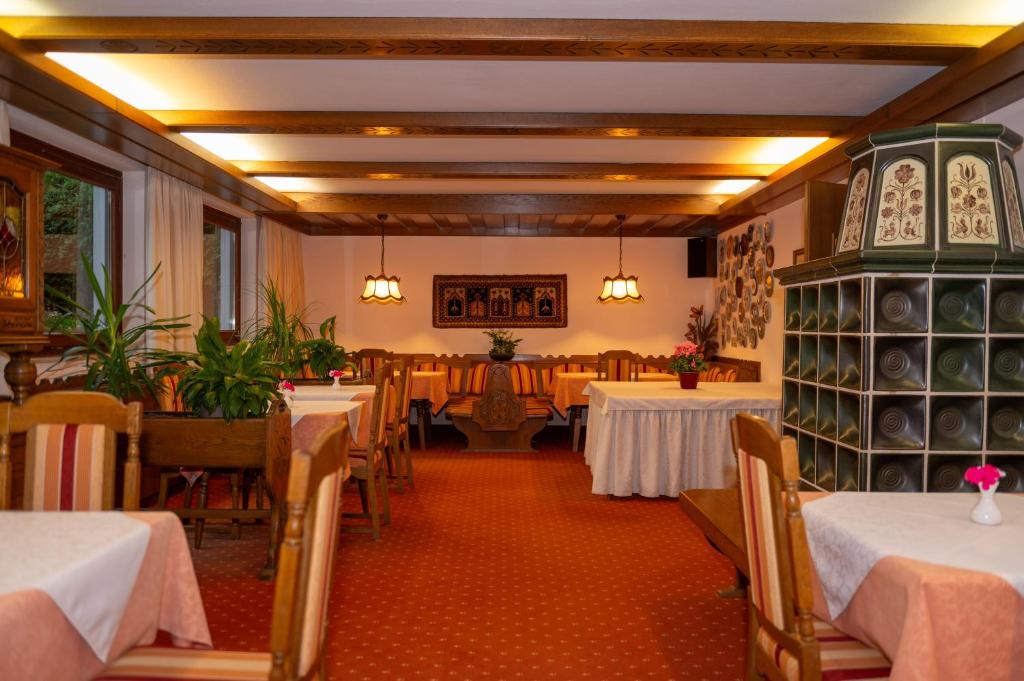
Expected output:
(5, 124)
(280, 261)
(174, 220)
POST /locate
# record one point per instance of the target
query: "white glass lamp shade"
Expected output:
(620, 289)
(382, 289)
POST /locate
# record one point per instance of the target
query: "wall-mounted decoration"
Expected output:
(500, 301)
(745, 282)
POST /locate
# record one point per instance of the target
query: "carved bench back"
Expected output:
(499, 408)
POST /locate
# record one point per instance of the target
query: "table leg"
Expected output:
(422, 421)
(737, 590)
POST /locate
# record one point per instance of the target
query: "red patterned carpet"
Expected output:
(504, 567)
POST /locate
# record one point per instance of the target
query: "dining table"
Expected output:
(429, 386)
(656, 438)
(77, 590)
(567, 387)
(312, 417)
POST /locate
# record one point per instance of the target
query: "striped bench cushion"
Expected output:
(463, 406)
(154, 662)
(652, 369)
(70, 467)
(715, 374)
(524, 381)
(843, 658)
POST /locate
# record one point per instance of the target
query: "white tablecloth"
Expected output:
(306, 407)
(658, 439)
(848, 532)
(327, 392)
(85, 561)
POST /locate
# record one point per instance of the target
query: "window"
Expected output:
(81, 215)
(221, 275)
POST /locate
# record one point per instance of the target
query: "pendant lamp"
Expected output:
(382, 288)
(620, 289)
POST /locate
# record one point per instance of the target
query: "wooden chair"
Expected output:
(369, 466)
(617, 365)
(786, 642)
(301, 592)
(399, 445)
(369, 361)
(70, 450)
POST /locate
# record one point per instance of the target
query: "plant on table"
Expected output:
(107, 341)
(703, 331)
(503, 345)
(688, 362)
(237, 382)
(323, 355)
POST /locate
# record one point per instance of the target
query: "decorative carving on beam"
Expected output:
(501, 124)
(489, 38)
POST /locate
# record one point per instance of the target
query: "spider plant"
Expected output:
(237, 382)
(111, 347)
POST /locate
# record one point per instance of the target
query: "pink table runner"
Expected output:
(39, 642)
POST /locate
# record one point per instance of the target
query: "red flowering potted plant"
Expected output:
(688, 362)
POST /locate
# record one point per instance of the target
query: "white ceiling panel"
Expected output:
(346, 186)
(908, 11)
(163, 82)
(532, 149)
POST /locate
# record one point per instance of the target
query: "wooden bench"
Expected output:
(499, 420)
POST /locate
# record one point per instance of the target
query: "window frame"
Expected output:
(230, 223)
(86, 170)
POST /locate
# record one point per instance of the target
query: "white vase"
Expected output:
(985, 512)
(337, 383)
(289, 399)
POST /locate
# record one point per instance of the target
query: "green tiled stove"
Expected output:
(904, 351)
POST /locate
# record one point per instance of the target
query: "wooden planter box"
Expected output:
(172, 440)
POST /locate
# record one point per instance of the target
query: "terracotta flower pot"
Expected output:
(688, 380)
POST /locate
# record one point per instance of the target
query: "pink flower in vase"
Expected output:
(983, 476)
(335, 373)
(285, 386)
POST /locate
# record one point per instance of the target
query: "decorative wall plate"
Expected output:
(750, 230)
(739, 286)
(755, 285)
(769, 231)
(769, 256)
(753, 339)
(766, 311)
(769, 284)
(759, 235)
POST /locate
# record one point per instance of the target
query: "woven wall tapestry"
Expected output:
(513, 300)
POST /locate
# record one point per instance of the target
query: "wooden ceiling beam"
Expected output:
(979, 83)
(647, 204)
(509, 39)
(506, 171)
(501, 124)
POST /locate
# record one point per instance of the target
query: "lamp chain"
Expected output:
(382, 218)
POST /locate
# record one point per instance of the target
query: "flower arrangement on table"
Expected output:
(287, 390)
(337, 375)
(987, 479)
(688, 362)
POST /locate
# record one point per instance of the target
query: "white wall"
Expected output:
(336, 268)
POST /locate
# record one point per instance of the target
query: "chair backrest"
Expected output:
(779, 561)
(306, 557)
(370, 361)
(383, 395)
(403, 391)
(70, 450)
(616, 365)
(715, 374)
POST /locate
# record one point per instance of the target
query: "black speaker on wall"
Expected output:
(701, 257)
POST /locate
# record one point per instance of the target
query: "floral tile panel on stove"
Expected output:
(511, 300)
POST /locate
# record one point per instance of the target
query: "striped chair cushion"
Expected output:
(524, 381)
(369, 366)
(477, 378)
(762, 543)
(323, 547)
(619, 370)
(69, 467)
(843, 658)
(153, 663)
(454, 374)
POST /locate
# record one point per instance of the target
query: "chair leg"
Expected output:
(236, 526)
(246, 487)
(577, 425)
(259, 490)
(201, 522)
(422, 420)
(161, 500)
(371, 497)
(361, 486)
(406, 445)
(385, 515)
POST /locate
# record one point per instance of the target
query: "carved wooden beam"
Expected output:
(534, 204)
(521, 38)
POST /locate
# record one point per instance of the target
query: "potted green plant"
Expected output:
(688, 362)
(110, 346)
(323, 355)
(234, 383)
(503, 345)
(280, 333)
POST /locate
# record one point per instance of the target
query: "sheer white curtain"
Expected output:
(174, 225)
(280, 261)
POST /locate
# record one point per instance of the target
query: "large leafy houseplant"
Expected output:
(323, 354)
(109, 344)
(281, 334)
(237, 382)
